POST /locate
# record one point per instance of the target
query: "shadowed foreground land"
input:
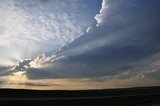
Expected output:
(143, 96)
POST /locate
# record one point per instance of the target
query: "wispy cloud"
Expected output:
(42, 26)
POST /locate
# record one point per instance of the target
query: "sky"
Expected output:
(79, 44)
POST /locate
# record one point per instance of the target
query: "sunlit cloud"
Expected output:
(78, 44)
(41, 27)
(102, 13)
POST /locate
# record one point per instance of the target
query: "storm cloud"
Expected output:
(117, 40)
(127, 33)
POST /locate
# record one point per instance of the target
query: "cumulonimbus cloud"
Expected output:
(114, 48)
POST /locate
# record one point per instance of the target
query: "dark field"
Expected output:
(141, 96)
